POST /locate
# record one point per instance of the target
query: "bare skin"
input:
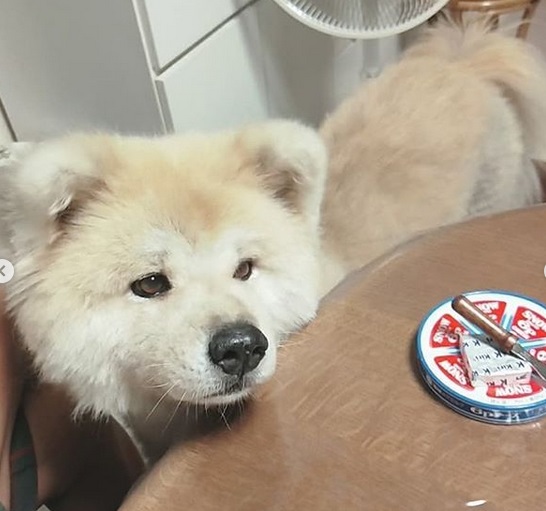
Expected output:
(84, 465)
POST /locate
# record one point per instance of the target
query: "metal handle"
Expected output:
(470, 312)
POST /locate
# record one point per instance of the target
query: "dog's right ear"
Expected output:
(291, 161)
(42, 188)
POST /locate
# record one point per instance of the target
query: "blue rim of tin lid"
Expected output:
(477, 410)
(485, 413)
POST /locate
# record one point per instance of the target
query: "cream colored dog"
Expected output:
(154, 272)
(447, 133)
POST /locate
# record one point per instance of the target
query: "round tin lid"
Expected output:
(444, 371)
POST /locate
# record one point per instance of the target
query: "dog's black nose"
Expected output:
(238, 348)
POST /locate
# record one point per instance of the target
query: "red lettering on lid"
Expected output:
(528, 324)
(514, 391)
(453, 368)
(492, 308)
(446, 331)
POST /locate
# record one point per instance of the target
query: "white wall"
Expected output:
(308, 73)
(67, 64)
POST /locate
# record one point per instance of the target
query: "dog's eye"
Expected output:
(151, 285)
(244, 270)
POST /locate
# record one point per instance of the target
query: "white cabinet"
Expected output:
(220, 83)
(175, 25)
(154, 66)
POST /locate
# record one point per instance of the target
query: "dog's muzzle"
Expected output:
(237, 348)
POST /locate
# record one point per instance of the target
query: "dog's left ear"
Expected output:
(291, 162)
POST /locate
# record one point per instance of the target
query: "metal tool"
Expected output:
(505, 340)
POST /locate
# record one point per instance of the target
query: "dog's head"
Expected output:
(169, 266)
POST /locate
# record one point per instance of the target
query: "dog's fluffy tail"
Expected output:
(511, 63)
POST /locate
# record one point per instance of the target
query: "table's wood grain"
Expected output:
(347, 425)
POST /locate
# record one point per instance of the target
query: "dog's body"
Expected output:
(154, 272)
(445, 134)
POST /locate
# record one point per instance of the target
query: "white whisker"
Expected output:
(159, 401)
(223, 410)
(180, 401)
(157, 386)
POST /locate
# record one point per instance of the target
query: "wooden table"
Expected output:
(347, 424)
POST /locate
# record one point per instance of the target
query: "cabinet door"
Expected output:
(175, 25)
(220, 83)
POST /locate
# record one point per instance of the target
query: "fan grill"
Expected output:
(362, 18)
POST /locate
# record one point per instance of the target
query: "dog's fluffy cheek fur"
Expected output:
(79, 350)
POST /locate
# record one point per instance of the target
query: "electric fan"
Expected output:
(363, 19)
